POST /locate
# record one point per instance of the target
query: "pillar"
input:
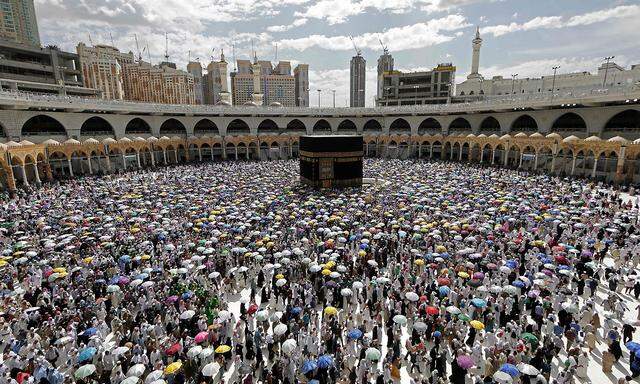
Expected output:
(36, 173)
(138, 159)
(482, 155)
(419, 150)
(175, 152)
(124, 162)
(431, 151)
(200, 154)
(520, 162)
(164, 155)
(460, 154)
(108, 159)
(47, 171)
(451, 156)
(619, 177)
(366, 150)
(11, 181)
(153, 158)
(506, 156)
(246, 152)
(70, 167)
(89, 163)
(493, 156)
(535, 162)
(224, 151)
(24, 175)
(573, 165)
(236, 151)
(595, 165)
(553, 162)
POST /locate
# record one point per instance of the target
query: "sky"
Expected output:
(527, 37)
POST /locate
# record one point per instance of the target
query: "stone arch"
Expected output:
(268, 125)
(400, 124)
(460, 124)
(490, 125)
(429, 125)
(237, 126)
(43, 125)
(296, 125)
(171, 127)
(322, 125)
(524, 123)
(569, 121)
(628, 120)
(96, 126)
(137, 126)
(347, 125)
(372, 125)
(205, 126)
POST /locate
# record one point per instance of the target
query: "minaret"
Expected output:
(475, 60)
(225, 96)
(257, 97)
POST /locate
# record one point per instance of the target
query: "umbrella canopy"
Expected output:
(211, 369)
(476, 325)
(85, 371)
(86, 354)
(223, 349)
(289, 346)
(173, 368)
(354, 334)
(309, 366)
(330, 311)
(510, 369)
(400, 319)
(528, 369)
(325, 361)
(529, 337)
(136, 370)
(464, 361)
(373, 354)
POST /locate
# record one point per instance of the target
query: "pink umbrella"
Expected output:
(465, 362)
(201, 337)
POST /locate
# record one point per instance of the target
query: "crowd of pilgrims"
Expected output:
(432, 272)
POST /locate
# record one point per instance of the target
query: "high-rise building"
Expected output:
(102, 69)
(158, 84)
(18, 22)
(42, 70)
(260, 83)
(417, 88)
(357, 76)
(195, 69)
(385, 66)
(301, 76)
(215, 83)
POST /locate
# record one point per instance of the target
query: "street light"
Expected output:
(319, 92)
(606, 69)
(553, 83)
(513, 82)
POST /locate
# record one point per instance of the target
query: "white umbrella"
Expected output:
(211, 369)
(154, 376)
(187, 314)
(502, 377)
(453, 310)
(289, 346)
(372, 263)
(420, 326)
(194, 351)
(281, 282)
(120, 350)
(412, 296)
(136, 370)
(224, 315)
(373, 354)
(262, 315)
(130, 380)
(400, 319)
(346, 292)
(527, 369)
(357, 285)
(280, 329)
(206, 352)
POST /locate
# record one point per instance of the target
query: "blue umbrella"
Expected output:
(510, 369)
(632, 346)
(308, 366)
(511, 264)
(86, 354)
(437, 334)
(637, 353)
(296, 310)
(89, 332)
(444, 290)
(314, 382)
(114, 280)
(325, 361)
(518, 284)
(125, 258)
(478, 303)
(187, 295)
(142, 276)
(354, 334)
(444, 255)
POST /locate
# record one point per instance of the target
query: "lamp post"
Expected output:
(334, 97)
(513, 82)
(319, 92)
(553, 83)
(606, 69)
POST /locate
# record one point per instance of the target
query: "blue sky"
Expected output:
(520, 36)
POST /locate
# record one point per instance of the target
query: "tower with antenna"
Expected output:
(166, 62)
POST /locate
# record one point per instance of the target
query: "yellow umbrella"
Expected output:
(330, 264)
(173, 367)
(3, 263)
(477, 325)
(279, 276)
(18, 253)
(145, 257)
(362, 253)
(326, 272)
(463, 274)
(419, 262)
(59, 270)
(330, 311)
(88, 259)
(223, 349)
(441, 249)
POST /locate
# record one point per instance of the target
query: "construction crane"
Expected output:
(358, 52)
(135, 36)
(212, 52)
(384, 47)
(166, 47)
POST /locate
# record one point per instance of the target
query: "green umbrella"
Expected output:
(529, 337)
(85, 371)
(463, 317)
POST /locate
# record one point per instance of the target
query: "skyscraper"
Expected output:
(102, 69)
(357, 80)
(195, 69)
(216, 85)
(385, 66)
(18, 22)
(301, 75)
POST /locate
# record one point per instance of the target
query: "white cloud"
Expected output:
(551, 22)
(284, 28)
(413, 36)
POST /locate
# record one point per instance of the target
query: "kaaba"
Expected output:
(331, 161)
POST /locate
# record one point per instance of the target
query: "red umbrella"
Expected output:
(562, 260)
(253, 308)
(432, 310)
(423, 298)
(443, 281)
(172, 350)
